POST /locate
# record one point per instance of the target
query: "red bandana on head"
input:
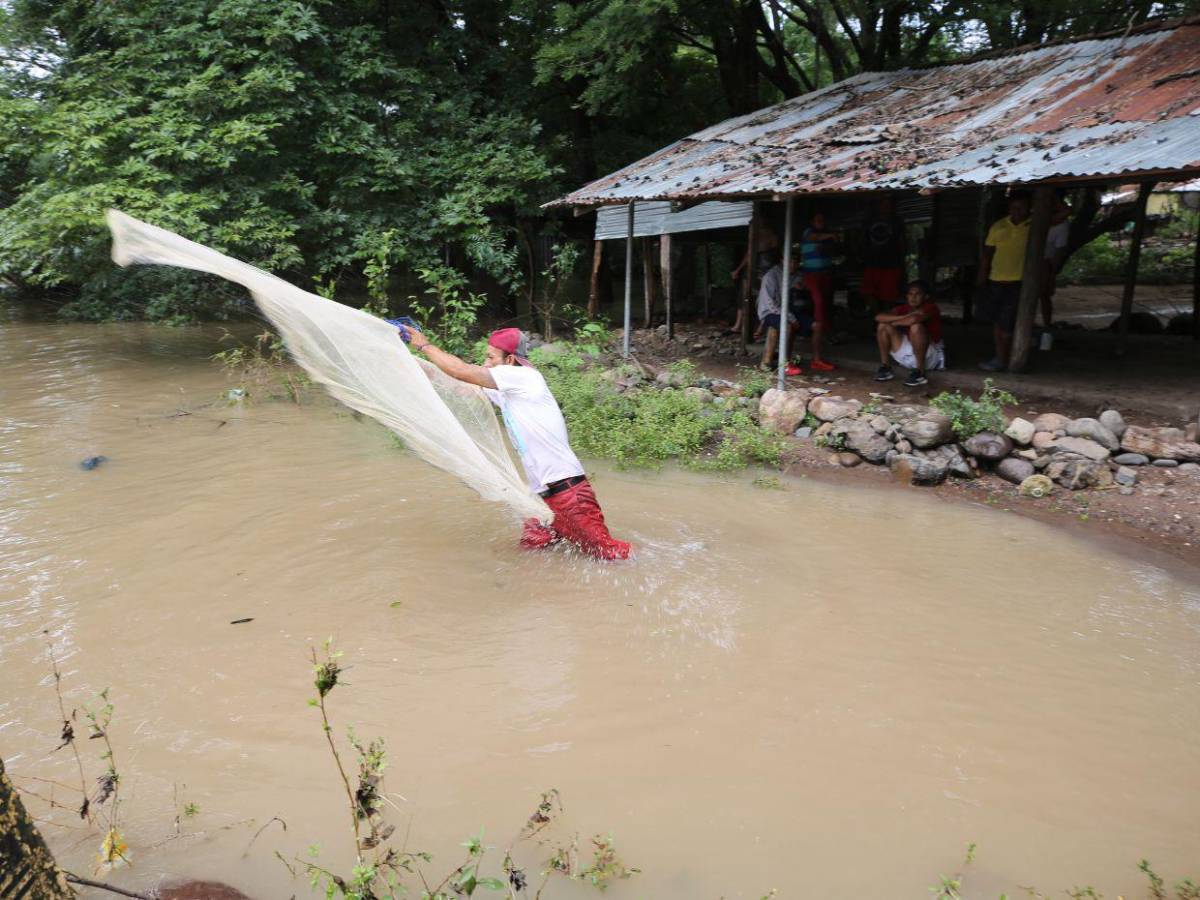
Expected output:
(511, 340)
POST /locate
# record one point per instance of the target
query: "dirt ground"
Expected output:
(1155, 382)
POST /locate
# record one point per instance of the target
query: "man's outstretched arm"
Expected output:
(449, 363)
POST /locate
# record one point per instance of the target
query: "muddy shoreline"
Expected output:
(1162, 514)
(1104, 517)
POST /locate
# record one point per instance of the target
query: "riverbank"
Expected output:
(1153, 506)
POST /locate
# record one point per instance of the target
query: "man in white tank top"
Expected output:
(539, 434)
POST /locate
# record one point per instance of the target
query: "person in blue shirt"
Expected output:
(817, 245)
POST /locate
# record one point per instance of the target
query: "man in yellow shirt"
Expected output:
(1000, 270)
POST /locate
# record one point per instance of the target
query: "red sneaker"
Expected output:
(793, 370)
(819, 365)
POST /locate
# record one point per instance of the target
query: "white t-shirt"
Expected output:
(535, 425)
(1056, 238)
(770, 293)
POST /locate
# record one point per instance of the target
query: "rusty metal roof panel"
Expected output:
(1092, 108)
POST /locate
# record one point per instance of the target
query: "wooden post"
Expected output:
(1031, 277)
(927, 264)
(666, 271)
(628, 281)
(751, 237)
(648, 281)
(708, 278)
(593, 308)
(982, 225)
(1131, 268)
(1196, 284)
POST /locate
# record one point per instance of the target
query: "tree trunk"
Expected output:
(594, 287)
(27, 868)
(1131, 267)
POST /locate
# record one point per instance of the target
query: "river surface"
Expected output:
(823, 689)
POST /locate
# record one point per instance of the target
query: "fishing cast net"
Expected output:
(363, 363)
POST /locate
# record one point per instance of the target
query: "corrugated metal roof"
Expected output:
(654, 217)
(1092, 108)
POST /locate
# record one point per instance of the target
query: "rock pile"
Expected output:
(918, 443)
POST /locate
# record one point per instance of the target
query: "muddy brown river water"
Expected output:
(824, 689)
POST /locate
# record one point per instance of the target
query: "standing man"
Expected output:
(816, 247)
(1000, 270)
(539, 434)
(883, 257)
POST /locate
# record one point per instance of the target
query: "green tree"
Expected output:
(338, 142)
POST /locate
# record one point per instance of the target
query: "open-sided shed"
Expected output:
(1112, 107)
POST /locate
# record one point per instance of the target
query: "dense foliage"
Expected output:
(381, 149)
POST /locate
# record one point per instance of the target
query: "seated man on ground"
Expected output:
(770, 311)
(912, 335)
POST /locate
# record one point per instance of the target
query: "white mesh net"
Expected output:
(363, 363)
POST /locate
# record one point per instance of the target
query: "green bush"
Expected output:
(969, 416)
(650, 426)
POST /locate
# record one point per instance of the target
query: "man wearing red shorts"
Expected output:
(537, 430)
(816, 249)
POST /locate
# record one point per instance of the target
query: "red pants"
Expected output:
(578, 519)
(820, 288)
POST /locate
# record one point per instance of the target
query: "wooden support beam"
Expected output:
(748, 282)
(708, 278)
(668, 282)
(593, 308)
(1131, 267)
(1196, 285)
(648, 282)
(1031, 279)
(927, 264)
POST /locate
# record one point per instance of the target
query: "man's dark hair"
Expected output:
(922, 284)
(1023, 196)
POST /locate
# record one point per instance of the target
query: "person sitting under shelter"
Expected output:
(770, 311)
(911, 334)
(538, 432)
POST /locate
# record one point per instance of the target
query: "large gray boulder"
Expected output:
(1126, 476)
(928, 430)
(829, 408)
(1131, 459)
(988, 446)
(1052, 422)
(1094, 430)
(918, 470)
(1160, 443)
(782, 411)
(1113, 421)
(1021, 431)
(1082, 447)
(1076, 472)
(957, 463)
(1014, 469)
(1043, 440)
(864, 440)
